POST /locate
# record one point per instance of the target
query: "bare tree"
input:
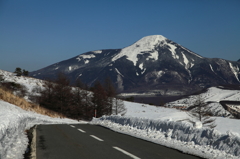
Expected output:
(200, 111)
(100, 100)
(46, 98)
(76, 103)
(118, 107)
(62, 92)
(110, 92)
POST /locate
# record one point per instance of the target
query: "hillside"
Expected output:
(214, 96)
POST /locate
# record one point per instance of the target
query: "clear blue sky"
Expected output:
(38, 33)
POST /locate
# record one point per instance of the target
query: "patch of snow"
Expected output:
(118, 72)
(185, 60)
(97, 51)
(143, 71)
(187, 66)
(172, 49)
(86, 61)
(153, 55)
(197, 125)
(211, 67)
(235, 70)
(191, 65)
(85, 56)
(141, 66)
(69, 68)
(160, 73)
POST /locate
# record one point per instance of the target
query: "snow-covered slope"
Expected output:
(213, 96)
(28, 82)
(149, 44)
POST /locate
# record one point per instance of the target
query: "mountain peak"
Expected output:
(152, 39)
(145, 44)
(149, 42)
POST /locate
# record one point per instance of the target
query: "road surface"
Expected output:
(83, 141)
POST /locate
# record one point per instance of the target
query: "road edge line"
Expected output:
(33, 145)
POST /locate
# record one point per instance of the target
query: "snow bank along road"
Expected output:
(90, 142)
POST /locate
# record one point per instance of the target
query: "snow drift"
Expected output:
(13, 123)
(204, 142)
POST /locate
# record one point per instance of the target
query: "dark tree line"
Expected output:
(76, 102)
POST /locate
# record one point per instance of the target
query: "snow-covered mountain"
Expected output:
(154, 63)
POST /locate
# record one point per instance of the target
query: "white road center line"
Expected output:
(95, 137)
(81, 130)
(126, 153)
(72, 126)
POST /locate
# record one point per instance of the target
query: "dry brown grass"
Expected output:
(7, 96)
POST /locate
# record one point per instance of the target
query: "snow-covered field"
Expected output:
(163, 126)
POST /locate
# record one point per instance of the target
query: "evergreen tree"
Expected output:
(18, 71)
(25, 73)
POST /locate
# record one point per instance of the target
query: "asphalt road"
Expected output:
(85, 141)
